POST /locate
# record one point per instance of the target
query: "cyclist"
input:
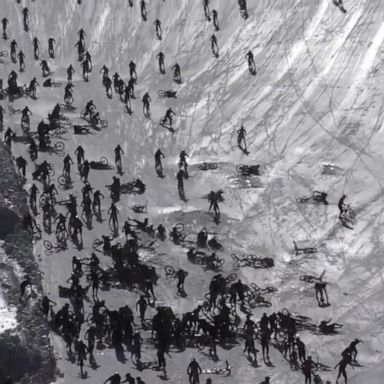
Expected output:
(44, 68)
(96, 201)
(146, 104)
(241, 143)
(33, 196)
(168, 116)
(215, 20)
(36, 44)
(193, 371)
(79, 152)
(33, 87)
(26, 17)
(118, 152)
(4, 23)
(142, 305)
(158, 165)
(51, 47)
(67, 166)
(68, 97)
(70, 72)
(89, 108)
(113, 212)
(13, 46)
(21, 57)
(176, 72)
(132, 70)
(342, 207)
(160, 56)
(158, 29)
(21, 164)
(214, 46)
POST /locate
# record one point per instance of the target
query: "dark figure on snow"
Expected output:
(160, 56)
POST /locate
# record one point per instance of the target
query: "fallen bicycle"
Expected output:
(305, 250)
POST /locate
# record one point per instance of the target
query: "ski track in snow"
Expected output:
(317, 97)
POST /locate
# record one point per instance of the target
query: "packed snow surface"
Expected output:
(317, 98)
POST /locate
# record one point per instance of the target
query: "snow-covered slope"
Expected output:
(317, 97)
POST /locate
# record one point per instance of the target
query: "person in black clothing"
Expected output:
(342, 364)
(36, 49)
(160, 56)
(23, 286)
(214, 46)
(114, 379)
(146, 104)
(180, 183)
(300, 349)
(142, 305)
(70, 72)
(4, 23)
(159, 32)
(181, 275)
(158, 165)
(215, 20)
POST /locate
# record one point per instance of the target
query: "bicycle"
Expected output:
(139, 208)
(251, 261)
(305, 251)
(317, 197)
(208, 166)
(57, 148)
(13, 110)
(81, 130)
(311, 278)
(3, 54)
(262, 291)
(167, 94)
(330, 169)
(65, 182)
(50, 248)
(102, 164)
(248, 170)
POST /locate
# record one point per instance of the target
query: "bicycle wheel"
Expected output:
(62, 180)
(161, 93)
(96, 244)
(169, 272)
(4, 53)
(104, 123)
(43, 199)
(240, 168)
(59, 146)
(200, 260)
(47, 245)
(103, 160)
(220, 262)
(231, 277)
(37, 229)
